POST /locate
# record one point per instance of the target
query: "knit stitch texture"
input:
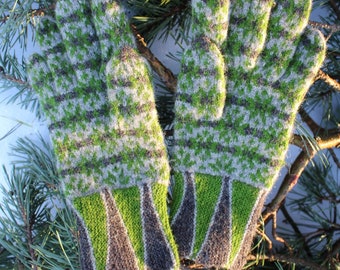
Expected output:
(228, 152)
(98, 97)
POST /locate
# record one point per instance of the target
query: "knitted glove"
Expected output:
(96, 91)
(225, 165)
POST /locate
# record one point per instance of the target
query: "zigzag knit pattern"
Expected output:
(225, 163)
(97, 94)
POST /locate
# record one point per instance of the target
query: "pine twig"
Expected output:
(308, 152)
(309, 121)
(333, 27)
(10, 78)
(39, 12)
(327, 79)
(163, 72)
(266, 238)
(275, 235)
(296, 229)
(335, 158)
(335, 248)
(289, 259)
(335, 8)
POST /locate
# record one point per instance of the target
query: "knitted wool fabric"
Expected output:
(226, 164)
(96, 91)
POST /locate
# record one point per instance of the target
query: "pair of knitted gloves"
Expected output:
(243, 77)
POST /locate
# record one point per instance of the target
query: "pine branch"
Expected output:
(296, 229)
(299, 165)
(335, 158)
(159, 18)
(310, 122)
(165, 74)
(12, 78)
(32, 13)
(327, 79)
(334, 28)
(335, 8)
(288, 259)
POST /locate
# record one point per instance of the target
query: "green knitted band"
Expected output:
(142, 244)
(97, 231)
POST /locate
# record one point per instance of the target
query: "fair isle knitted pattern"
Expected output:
(203, 64)
(98, 97)
(226, 165)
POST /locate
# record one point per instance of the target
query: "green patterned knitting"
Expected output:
(225, 164)
(97, 94)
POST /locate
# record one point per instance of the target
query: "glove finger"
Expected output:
(137, 134)
(287, 22)
(71, 98)
(78, 113)
(80, 39)
(300, 73)
(248, 25)
(130, 89)
(201, 84)
(201, 88)
(112, 27)
(210, 19)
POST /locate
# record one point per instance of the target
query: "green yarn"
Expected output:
(177, 193)
(208, 188)
(86, 207)
(97, 93)
(128, 203)
(160, 193)
(243, 200)
(270, 59)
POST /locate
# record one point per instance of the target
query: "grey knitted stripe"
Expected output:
(120, 252)
(70, 102)
(157, 248)
(92, 163)
(220, 148)
(87, 260)
(86, 116)
(217, 244)
(183, 225)
(104, 111)
(106, 137)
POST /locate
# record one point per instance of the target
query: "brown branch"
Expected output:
(296, 229)
(335, 248)
(315, 128)
(266, 238)
(309, 121)
(167, 77)
(334, 27)
(288, 183)
(10, 78)
(335, 158)
(32, 12)
(274, 233)
(28, 227)
(290, 180)
(289, 259)
(327, 79)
